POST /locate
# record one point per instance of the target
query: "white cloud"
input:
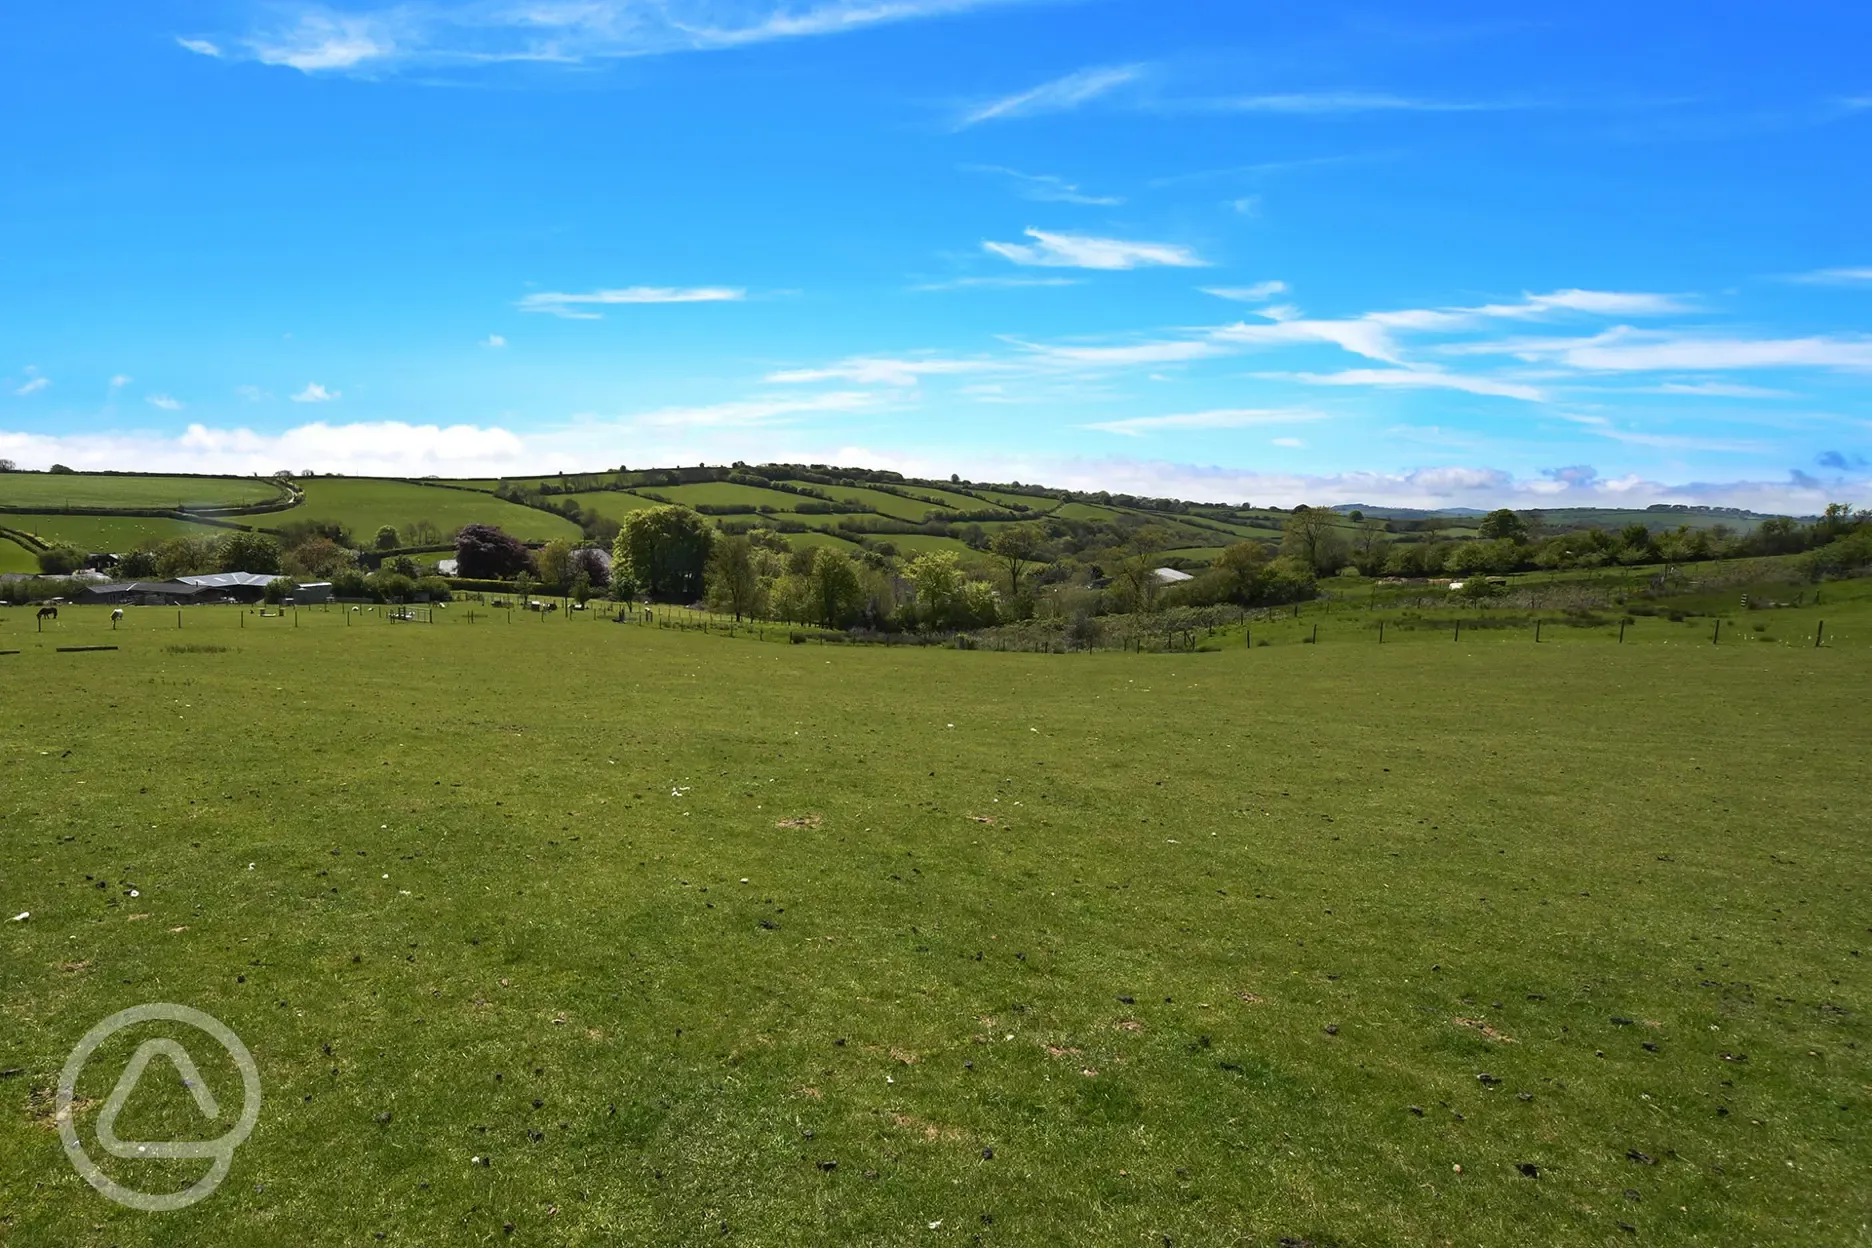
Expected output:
(1359, 336)
(388, 448)
(1532, 306)
(165, 402)
(1319, 102)
(1623, 349)
(866, 370)
(1719, 390)
(32, 385)
(1292, 444)
(1416, 377)
(1220, 418)
(1835, 277)
(1260, 292)
(1135, 355)
(1046, 187)
(1058, 96)
(759, 411)
(120, 381)
(1082, 251)
(494, 341)
(563, 304)
(315, 38)
(315, 393)
(996, 283)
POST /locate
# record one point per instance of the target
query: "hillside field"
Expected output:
(55, 490)
(700, 940)
(364, 504)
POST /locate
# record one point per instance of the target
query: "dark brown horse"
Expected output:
(48, 613)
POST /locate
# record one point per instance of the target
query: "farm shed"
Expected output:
(1172, 576)
(143, 593)
(242, 586)
(313, 591)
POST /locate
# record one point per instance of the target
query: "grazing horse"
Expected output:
(50, 613)
(116, 616)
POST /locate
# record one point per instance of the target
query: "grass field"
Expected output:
(727, 494)
(17, 558)
(613, 503)
(35, 489)
(705, 941)
(115, 533)
(365, 504)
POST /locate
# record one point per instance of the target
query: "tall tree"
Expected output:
(1016, 546)
(247, 552)
(666, 549)
(733, 582)
(387, 538)
(554, 561)
(1502, 523)
(836, 594)
(1312, 534)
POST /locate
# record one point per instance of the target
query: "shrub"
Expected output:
(437, 589)
(279, 589)
(61, 560)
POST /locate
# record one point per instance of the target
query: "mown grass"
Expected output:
(709, 941)
(36, 489)
(17, 558)
(365, 504)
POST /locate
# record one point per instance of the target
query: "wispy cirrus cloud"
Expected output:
(315, 393)
(995, 283)
(1056, 96)
(1623, 349)
(1417, 378)
(32, 385)
(571, 306)
(746, 413)
(1260, 292)
(166, 402)
(1835, 277)
(1083, 251)
(1327, 102)
(1046, 187)
(386, 38)
(870, 370)
(1216, 418)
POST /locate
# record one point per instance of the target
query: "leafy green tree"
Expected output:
(1016, 546)
(185, 556)
(1240, 567)
(278, 590)
(138, 565)
(247, 552)
(554, 561)
(666, 549)
(835, 593)
(387, 538)
(733, 581)
(403, 566)
(1503, 523)
(317, 558)
(938, 578)
(61, 560)
(1312, 535)
(581, 587)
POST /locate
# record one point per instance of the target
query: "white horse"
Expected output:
(116, 616)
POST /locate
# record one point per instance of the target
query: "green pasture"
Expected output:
(923, 543)
(15, 557)
(700, 940)
(365, 504)
(884, 504)
(614, 504)
(54, 490)
(117, 533)
(726, 494)
(1035, 504)
(819, 537)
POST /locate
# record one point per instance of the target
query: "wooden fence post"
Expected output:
(1819, 632)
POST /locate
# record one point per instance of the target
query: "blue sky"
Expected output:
(1423, 254)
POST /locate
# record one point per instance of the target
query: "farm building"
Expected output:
(1172, 576)
(144, 593)
(241, 586)
(313, 592)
